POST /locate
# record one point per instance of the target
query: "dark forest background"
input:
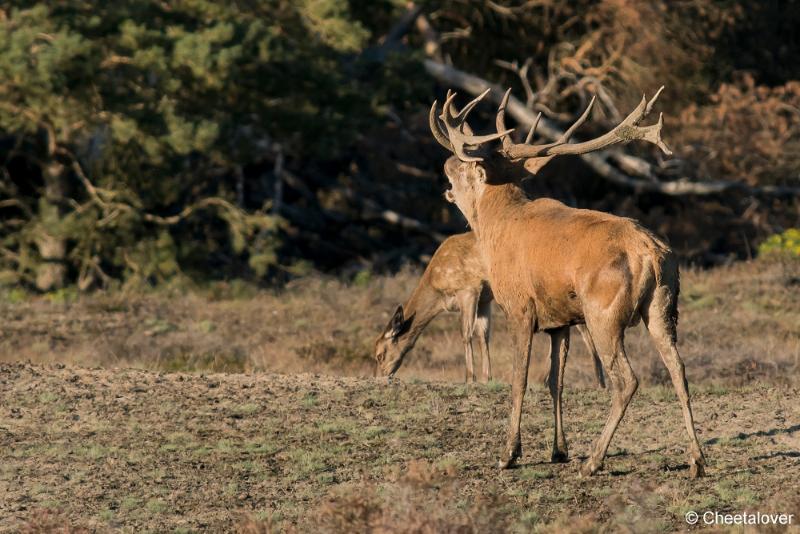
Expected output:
(150, 142)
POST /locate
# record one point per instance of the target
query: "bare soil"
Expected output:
(108, 449)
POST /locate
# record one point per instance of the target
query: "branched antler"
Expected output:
(450, 128)
(452, 131)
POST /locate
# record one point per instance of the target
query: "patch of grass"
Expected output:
(260, 447)
(206, 326)
(534, 474)
(310, 400)
(179, 359)
(734, 492)
(495, 386)
(248, 466)
(130, 503)
(247, 409)
(372, 432)
(95, 451)
(661, 393)
(155, 506)
(716, 390)
(338, 426)
(231, 489)
(529, 521)
(226, 446)
(449, 465)
(326, 478)
(47, 397)
(306, 462)
(602, 491)
(106, 515)
(460, 391)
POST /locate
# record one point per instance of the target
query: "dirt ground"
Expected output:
(107, 449)
(168, 412)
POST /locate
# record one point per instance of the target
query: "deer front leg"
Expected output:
(468, 304)
(559, 347)
(523, 333)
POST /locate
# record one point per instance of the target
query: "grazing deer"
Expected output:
(454, 279)
(551, 266)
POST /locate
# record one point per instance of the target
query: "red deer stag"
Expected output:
(551, 266)
(454, 279)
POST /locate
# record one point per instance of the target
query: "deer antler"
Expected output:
(451, 130)
(537, 156)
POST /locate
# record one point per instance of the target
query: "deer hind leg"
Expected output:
(483, 326)
(523, 336)
(559, 347)
(662, 328)
(610, 344)
(468, 304)
(598, 365)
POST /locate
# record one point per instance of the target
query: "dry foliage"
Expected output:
(44, 521)
(420, 501)
(747, 132)
(619, 47)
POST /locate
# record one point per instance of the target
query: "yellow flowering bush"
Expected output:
(786, 244)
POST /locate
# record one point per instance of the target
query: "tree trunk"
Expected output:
(51, 272)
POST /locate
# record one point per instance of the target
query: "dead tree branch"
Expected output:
(600, 162)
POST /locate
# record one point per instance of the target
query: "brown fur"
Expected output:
(455, 279)
(551, 266)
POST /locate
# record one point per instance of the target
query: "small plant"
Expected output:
(495, 386)
(783, 245)
(156, 506)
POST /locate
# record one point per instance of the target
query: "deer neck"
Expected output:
(424, 304)
(494, 204)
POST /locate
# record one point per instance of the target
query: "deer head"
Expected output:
(475, 163)
(393, 343)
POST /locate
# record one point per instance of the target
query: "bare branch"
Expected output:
(600, 161)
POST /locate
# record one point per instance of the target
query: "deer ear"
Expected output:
(534, 165)
(480, 173)
(396, 324)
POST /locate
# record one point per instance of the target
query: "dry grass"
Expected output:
(737, 324)
(137, 451)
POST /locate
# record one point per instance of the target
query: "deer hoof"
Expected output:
(589, 468)
(696, 469)
(559, 457)
(510, 458)
(507, 463)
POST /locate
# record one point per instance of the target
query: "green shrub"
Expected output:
(786, 245)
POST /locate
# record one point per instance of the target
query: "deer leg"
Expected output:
(523, 333)
(662, 330)
(559, 347)
(623, 385)
(483, 326)
(468, 303)
(598, 365)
